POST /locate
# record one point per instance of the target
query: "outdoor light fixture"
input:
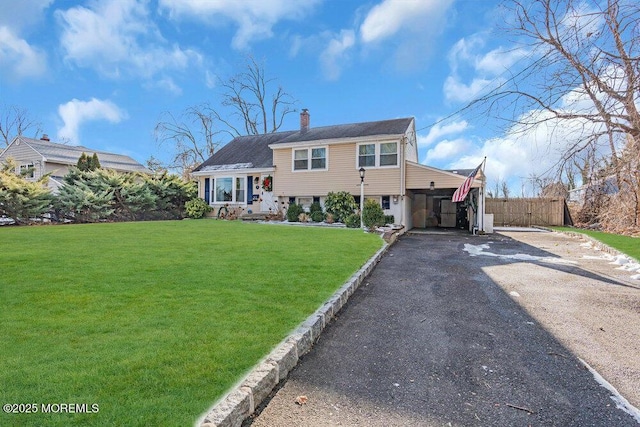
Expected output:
(395, 199)
(432, 185)
(361, 196)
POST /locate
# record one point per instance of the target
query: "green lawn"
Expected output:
(154, 321)
(627, 245)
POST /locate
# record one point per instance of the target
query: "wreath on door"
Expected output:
(267, 183)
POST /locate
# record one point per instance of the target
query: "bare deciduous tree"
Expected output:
(586, 71)
(192, 136)
(248, 107)
(15, 121)
(583, 80)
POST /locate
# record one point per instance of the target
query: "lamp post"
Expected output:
(361, 196)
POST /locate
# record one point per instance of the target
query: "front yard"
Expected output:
(152, 322)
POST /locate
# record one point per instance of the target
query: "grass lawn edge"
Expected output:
(247, 395)
(583, 234)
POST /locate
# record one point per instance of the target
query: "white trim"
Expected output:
(236, 171)
(336, 141)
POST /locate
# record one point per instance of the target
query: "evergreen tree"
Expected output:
(94, 163)
(85, 197)
(132, 197)
(171, 192)
(83, 162)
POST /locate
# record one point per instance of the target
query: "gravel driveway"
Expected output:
(459, 330)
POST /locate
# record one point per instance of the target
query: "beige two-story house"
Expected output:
(265, 173)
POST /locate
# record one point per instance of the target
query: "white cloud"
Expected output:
(210, 79)
(439, 130)
(474, 72)
(457, 91)
(447, 149)
(117, 37)
(499, 60)
(334, 56)
(75, 112)
(23, 14)
(517, 156)
(409, 27)
(166, 84)
(462, 52)
(391, 16)
(20, 60)
(255, 19)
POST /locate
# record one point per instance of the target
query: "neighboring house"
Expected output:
(267, 172)
(41, 156)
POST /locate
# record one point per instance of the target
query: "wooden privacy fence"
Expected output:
(526, 212)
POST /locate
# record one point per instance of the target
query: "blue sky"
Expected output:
(101, 73)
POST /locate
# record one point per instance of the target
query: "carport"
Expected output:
(429, 191)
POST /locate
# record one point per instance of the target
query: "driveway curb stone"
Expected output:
(242, 400)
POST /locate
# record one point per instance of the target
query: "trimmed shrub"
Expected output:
(197, 208)
(340, 204)
(317, 216)
(352, 221)
(294, 212)
(389, 219)
(315, 207)
(372, 214)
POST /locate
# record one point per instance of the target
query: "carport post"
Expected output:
(482, 196)
(362, 170)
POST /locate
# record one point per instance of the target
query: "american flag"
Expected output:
(462, 191)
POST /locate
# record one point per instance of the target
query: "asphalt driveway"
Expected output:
(460, 330)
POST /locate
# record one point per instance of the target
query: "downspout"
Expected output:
(403, 206)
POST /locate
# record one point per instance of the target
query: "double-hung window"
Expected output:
(300, 159)
(28, 170)
(319, 158)
(314, 158)
(389, 154)
(367, 155)
(383, 154)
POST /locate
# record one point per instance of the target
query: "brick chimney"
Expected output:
(304, 120)
(45, 137)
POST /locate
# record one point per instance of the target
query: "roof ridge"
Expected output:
(33, 141)
(326, 127)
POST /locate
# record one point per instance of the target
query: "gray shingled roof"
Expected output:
(69, 155)
(254, 149)
(462, 172)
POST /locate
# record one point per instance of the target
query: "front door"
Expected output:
(267, 202)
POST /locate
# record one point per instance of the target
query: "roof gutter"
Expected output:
(336, 141)
(233, 171)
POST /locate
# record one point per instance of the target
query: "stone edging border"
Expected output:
(243, 399)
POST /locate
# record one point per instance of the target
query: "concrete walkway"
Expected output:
(433, 338)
